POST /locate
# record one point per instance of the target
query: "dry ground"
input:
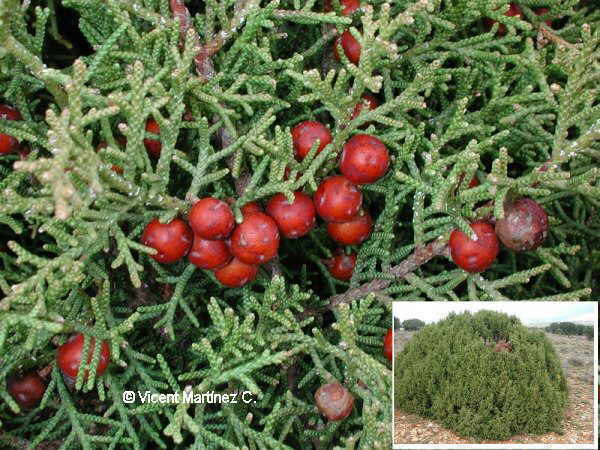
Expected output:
(577, 356)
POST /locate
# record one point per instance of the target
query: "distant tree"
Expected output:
(397, 323)
(571, 329)
(413, 324)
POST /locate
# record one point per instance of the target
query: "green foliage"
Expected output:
(483, 375)
(456, 101)
(413, 324)
(571, 329)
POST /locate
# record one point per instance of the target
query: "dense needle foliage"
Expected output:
(518, 111)
(484, 375)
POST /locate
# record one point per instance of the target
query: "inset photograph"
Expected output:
(504, 373)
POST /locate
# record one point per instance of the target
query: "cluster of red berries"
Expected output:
(514, 11)
(212, 240)
(338, 201)
(28, 389)
(524, 227)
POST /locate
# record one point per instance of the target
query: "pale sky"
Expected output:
(528, 312)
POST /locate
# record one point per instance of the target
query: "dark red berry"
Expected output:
(8, 143)
(341, 266)
(337, 199)
(211, 218)
(334, 401)
(256, 239)
(524, 226)
(348, 6)
(207, 254)
(153, 146)
(236, 273)
(353, 232)
(293, 219)
(306, 133)
(27, 390)
(367, 101)
(69, 356)
(350, 45)
(365, 159)
(513, 11)
(474, 256)
(388, 343)
(122, 141)
(171, 240)
(250, 208)
(542, 12)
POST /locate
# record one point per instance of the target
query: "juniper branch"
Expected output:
(420, 256)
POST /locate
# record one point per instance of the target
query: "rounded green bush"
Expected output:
(483, 375)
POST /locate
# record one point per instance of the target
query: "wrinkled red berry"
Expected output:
(171, 240)
(367, 101)
(474, 256)
(8, 143)
(207, 254)
(69, 356)
(388, 343)
(365, 159)
(293, 219)
(236, 273)
(306, 133)
(353, 232)
(334, 401)
(122, 141)
(341, 266)
(153, 146)
(211, 218)
(513, 11)
(27, 390)
(348, 6)
(256, 239)
(350, 45)
(524, 226)
(337, 199)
